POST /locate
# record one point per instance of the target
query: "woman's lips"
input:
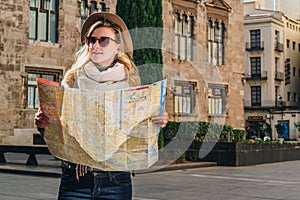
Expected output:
(97, 52)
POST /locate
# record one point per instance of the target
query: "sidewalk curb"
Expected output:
(177, 167)
(41, 170)
(56, 171)
(32, 173)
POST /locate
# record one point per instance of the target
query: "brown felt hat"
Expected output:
(115, 20)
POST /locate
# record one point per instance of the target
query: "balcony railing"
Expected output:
(248, 104)
(279, 76)
(262, 76)
(255, 46)
(278, 47)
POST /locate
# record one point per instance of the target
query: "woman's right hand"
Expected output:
(40, 119)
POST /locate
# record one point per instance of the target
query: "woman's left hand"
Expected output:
(161, 120)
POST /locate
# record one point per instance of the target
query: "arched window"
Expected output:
(216, 43)
(84, 11)
(84, 8)
(216, 35)
(183, 38)
(102, 7)
(177, 35)
(185, 25)
(93, 7)
(183, 42)
(210, 33)
(190, 39)
(221, 44)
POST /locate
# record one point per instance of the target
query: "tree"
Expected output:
(139, 14)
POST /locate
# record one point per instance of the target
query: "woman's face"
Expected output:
(103, 54)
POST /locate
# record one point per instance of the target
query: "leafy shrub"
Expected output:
(202, 131)
(160, 140)
(239, 135)
(297, 125)
(170, 130)
(226, 134)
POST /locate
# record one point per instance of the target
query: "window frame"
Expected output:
(256, 92)
(41, 72)
(294, 71)
(255, 64)
(255, 38)
(184, 102)
(294, 45)
(43, 8)
(276, 63)
(33, 9)
(295, 97)
(217, 99)
(277, 36)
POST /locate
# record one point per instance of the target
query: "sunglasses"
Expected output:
(103, 41)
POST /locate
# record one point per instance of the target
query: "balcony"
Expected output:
(262, 76)
(255, 46)
(270, 104)
(279, 76)
(278, 47)
(249, 105)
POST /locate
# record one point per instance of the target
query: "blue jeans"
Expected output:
(95, 185)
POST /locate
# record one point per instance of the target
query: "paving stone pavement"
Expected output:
(50, 166)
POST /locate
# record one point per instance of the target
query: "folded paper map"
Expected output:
(109, 130)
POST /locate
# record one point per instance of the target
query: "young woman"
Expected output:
(104, 62)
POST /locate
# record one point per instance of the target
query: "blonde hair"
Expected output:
(83, 56)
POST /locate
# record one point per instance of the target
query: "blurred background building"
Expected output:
(272, 66)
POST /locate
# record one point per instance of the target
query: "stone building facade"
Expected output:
(208, 77)
(203, 64)
(28, 50)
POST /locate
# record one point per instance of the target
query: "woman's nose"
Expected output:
(97, 44)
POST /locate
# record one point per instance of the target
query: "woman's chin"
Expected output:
(98, 59)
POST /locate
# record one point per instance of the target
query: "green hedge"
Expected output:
(201, 132)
